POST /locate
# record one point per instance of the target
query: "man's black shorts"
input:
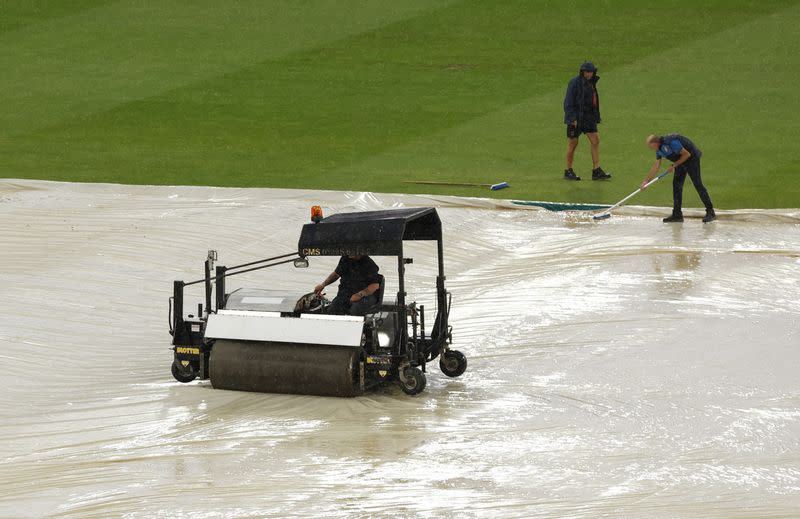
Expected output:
(573, 132)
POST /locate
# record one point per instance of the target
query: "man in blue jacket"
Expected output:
(685, 158)
(582, 115)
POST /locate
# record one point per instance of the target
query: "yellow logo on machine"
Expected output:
(311, 252)
(187, 351)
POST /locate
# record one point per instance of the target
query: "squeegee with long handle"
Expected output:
(607, 213)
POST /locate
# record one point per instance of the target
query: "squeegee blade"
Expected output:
(603, 216)
(501, 185)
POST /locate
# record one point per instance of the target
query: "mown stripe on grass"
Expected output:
(73, 66)
(14, 15)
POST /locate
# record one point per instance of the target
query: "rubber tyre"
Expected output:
(181, 375)
(453, 363)
(415, 382)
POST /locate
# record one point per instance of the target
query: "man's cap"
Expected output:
(588, 67)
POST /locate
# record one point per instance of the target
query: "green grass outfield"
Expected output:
(363, 94)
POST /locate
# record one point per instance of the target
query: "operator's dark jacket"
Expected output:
(579, 99)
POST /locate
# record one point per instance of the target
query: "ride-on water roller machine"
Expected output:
(283, 341)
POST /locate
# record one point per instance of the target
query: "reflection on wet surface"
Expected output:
(622, 368)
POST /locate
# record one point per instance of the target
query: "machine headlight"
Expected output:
(383, 340)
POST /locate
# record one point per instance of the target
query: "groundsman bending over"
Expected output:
(685, 158)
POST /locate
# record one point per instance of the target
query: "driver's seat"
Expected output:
(379, 292)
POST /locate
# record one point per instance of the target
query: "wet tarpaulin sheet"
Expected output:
(622, 368)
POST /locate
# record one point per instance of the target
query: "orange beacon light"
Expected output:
(316, 213)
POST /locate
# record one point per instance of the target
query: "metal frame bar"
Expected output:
(207, 281)
(402, 316)
(177, 306)
(229, 274)
(442, 291)
(220, 285)
(264, 260)
(292, 256)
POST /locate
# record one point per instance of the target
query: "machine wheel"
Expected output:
(414, 382)
(182, 374)
(453, 363)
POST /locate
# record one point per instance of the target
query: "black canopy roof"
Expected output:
(379, 233)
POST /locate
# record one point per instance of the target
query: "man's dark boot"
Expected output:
(674, 218)
(599, 174)
(570, 175)
(710, 216)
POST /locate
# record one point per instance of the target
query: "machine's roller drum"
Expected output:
(272, 367)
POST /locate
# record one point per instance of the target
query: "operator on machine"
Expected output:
(359, 282)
